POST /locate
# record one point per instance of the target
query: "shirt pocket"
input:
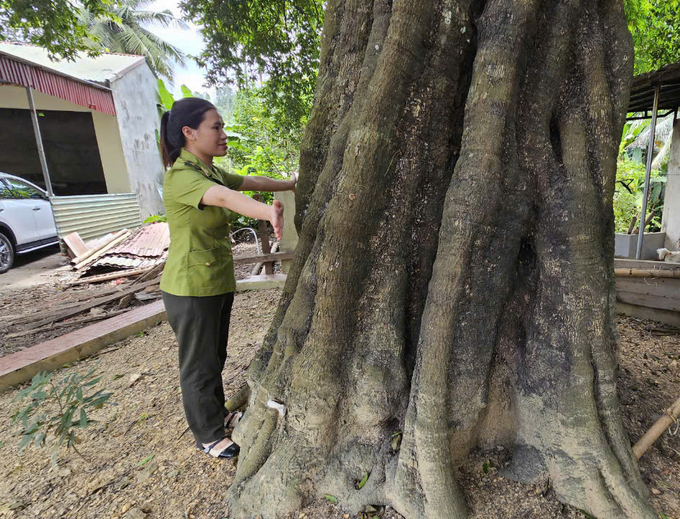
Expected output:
(205, 258)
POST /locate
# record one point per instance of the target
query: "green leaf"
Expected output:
(331, 498)
(28, 438)
(83, 419)
(485, 467)
(165, 96)
(71, 439)
(145, 460)
(39, 439)
(363, 481)
(186, 92)
(39, 395)
(92, 382)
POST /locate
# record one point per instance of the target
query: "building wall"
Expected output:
(135, 96)
(670, 222)
(112, 153)
(105, 126)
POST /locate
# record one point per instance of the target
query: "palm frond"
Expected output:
(122, 30)
(162, 18)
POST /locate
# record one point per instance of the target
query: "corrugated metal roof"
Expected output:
(90, 95)
(644, 85)
(127, 262)
(102, 68)
(146, 247)
(151, 240)
(92, 216)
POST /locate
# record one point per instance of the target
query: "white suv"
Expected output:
(26, 219)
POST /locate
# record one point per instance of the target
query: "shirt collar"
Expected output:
(187, 156)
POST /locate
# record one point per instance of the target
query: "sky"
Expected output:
(190, 42)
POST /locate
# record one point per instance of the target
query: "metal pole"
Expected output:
(648, 171)
(38, 141)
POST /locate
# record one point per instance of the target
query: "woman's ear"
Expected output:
(189, 133)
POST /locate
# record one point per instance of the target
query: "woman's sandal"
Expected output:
(232, 419)
(231, 451)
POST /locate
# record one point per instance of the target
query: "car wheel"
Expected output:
(6, 254)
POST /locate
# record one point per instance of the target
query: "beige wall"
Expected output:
(105, 126)
(111, 152)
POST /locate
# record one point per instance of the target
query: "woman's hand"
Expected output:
(276, 219)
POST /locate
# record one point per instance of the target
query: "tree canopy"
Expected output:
(52, 24)
(655, 26)
(66, 28)
(274, 43)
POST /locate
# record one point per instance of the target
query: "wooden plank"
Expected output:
(94, 250)
(646, 273)
(112, 275)
(97, 302)
(662, 287)
(78, 320)
(21, 366)
(151, 274)
(645, 264)
(93, 257)
(274, 256)
(650, 301)
(75, 244)
(653, 314)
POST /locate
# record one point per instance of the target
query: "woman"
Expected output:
(198, 282)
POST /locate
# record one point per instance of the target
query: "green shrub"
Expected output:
(58, 409)
(156, 218)
(630, 181)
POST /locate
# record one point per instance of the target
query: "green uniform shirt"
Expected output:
(199, 258)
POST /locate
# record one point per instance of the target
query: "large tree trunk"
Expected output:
(454, 276)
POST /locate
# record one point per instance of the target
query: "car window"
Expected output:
(5, 193)
(22, 190)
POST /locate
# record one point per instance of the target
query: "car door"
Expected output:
(17, 214)
(40, 207)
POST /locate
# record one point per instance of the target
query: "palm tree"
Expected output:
(123, 30)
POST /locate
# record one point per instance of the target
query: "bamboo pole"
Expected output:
(670, 415)
(647, 273)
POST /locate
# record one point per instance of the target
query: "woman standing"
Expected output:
(198, 282)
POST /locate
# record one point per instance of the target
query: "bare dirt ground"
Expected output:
(140, 465)
(35, 285)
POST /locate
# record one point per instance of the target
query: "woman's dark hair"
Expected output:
(190, 112)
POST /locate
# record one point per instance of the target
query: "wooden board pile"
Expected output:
(116, 299)
(126, 253)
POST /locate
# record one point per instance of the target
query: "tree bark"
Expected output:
(454, 277)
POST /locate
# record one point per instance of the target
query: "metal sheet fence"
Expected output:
(93, 216)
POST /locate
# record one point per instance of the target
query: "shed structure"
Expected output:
(98, 121)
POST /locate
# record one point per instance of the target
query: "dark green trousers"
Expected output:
(201, 325)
